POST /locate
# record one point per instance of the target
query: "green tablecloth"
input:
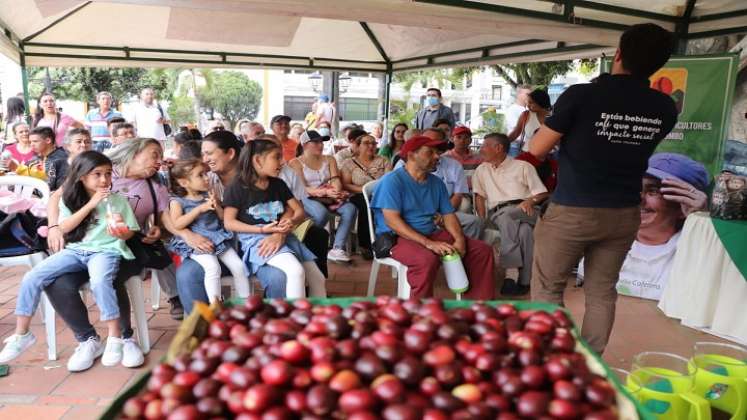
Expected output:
(733, 234)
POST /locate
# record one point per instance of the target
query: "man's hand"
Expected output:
(198, 242)
(527, 206)
(271, 244)
(460, 245)
(690, 198)
(153, 234)
(55, 240)
(440, 248)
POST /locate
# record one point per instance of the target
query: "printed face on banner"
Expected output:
(671, 81)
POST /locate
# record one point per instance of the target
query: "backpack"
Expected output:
(19, 235)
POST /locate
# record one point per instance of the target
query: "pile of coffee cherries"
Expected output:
(389, 359)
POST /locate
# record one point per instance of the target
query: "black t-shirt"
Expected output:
(257, 207)
(610, 128)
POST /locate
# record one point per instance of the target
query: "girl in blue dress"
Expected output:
(194, 208)
(261, 209)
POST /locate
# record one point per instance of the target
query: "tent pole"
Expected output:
(25, 83)
(387, 92)
(682, 28)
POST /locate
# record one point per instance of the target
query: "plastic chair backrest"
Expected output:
(367, 193)
(25, 186)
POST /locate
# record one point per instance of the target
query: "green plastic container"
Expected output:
(628, 406)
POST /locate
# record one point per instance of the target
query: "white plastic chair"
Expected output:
(25, 186)
(399, 270)
(134, 288)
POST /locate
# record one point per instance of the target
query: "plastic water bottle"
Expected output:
(456, 277)
(4, 159)
(114, 219)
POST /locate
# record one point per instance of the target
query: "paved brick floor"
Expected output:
(40, 389)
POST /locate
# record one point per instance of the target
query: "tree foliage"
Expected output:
(540, 74)
(83, 83)
(232, 94)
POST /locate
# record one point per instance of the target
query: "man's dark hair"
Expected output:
(644, 48)
(43, 132)
(501, 139)
(432, 89)
(436, 130)
(121, 126)
(441, 121)
(114, 120)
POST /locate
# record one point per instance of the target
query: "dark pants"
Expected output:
(317, 240)
(64, 294)
(364, 237)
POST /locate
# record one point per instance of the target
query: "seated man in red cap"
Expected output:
(405, 203)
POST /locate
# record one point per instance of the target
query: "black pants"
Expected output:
(317, 240)
(364, 237)
(64, 294)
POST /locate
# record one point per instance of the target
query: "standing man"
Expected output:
(280, 126)
(97, 121)
(607, 131)
(508, 193)
(514, 111)
(149, 117)
(434, 110)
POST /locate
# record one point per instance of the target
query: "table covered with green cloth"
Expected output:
(707, 288)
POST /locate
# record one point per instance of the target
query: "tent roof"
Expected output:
(364, 35)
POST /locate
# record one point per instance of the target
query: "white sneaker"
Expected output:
(85, 354)
(15, 345)
(132, 356)
(336, 254)
(113, 352)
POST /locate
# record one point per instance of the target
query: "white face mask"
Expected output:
(324, 131)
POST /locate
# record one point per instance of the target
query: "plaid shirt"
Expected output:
(96, 123)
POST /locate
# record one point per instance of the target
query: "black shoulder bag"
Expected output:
(166, 127)
(152, 255)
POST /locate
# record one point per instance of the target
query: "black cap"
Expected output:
(278, 118)
(311, 135)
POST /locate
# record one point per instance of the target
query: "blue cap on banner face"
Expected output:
(678, 166)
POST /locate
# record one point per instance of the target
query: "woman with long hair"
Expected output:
(47, 115)
(326, 196)
(95, 224)
(396, 140)
(532, 119)
(15, 113)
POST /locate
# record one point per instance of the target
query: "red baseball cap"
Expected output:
(417, 142)
(461, 130)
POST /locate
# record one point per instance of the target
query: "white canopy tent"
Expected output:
(362, 35)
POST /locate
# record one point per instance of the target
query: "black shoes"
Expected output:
(511, 288)
(177, 310)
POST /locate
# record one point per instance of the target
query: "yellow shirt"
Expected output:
(511, 180)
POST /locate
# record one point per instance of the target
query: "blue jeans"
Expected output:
(320, 214)
(102, 268)
(191, 284)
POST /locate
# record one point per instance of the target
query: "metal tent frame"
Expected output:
(685, 29)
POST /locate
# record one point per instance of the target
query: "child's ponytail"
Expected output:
(74, 194)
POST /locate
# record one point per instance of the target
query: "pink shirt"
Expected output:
(60, 126)
(137, 193)
(19, 157)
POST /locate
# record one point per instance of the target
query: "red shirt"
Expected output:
(289, 149)
(547, 170)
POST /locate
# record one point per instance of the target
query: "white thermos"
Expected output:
(456, 277)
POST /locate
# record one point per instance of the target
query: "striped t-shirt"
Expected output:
(96, 123)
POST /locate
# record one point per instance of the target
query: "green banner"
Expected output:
(702, 87)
